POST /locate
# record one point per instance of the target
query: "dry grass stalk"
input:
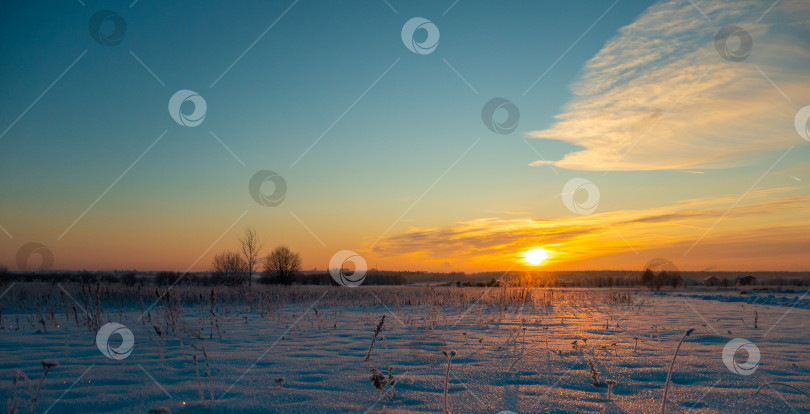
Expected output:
(377, 331)
(672, 365)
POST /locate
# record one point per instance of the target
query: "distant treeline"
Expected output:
(652, 279)
(132, 278)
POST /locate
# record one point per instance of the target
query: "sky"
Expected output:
(621, 132)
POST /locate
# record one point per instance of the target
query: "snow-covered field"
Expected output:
(303, 349)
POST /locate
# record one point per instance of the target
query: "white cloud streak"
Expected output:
(659, 96)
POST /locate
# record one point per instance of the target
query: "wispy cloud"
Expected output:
(585, 241)
(659, 96)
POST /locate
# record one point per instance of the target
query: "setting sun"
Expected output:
(536, 256)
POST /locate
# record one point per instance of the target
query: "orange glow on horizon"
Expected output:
(536, 256)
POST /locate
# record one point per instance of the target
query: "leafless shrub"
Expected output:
(281, 266)
(251, 248)
(228, 269)
(380, 382)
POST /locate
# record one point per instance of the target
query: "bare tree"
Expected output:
(229, 269)
(251, 246)
(281, 266)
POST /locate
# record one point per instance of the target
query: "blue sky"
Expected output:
(367, 174)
